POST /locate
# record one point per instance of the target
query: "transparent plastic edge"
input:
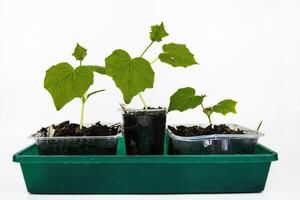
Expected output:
(142, 110)
(33, 136)
(120, 132)
(250, 134)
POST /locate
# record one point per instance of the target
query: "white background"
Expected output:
(247, 50)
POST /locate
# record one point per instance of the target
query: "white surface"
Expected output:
(247, 50)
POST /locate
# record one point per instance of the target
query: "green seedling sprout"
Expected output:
(66, 83)
(186, 98)
(133, 75)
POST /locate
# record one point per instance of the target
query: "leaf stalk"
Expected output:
(146, 49)
(143, 101)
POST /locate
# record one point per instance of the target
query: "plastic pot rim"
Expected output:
(136, 110)
(36, 136)
(250, 134)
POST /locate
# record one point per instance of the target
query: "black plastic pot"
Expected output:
(76, 145)
(214, 144)
(144, 131)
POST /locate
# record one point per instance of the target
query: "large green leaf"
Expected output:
(177, 55)
(131, 75)
(225, 106)
(66, 83)
(184, 99)
(158, 32)
(79, 52)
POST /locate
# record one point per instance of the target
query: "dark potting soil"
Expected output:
(144, 131)
(78, 146)
(70, 129)
(199, 130)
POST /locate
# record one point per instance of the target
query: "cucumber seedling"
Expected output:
(133, 75)
(66, 83)
(186, 98)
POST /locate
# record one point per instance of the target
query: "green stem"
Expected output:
(209, 119)
(80, 62)
(146, 49)
(143, 101)
(154, 60)
(208, 116)
(140, 96)
(82, 111)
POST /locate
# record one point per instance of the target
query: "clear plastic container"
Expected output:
(144, 131)
(76, 145)
(215, 143)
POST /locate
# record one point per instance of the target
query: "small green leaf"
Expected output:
(131, 75)
(79, 52)
(208, 111)
(92, 93)
(177, 55)
(225, 106)
(95, 68)
(184, 99)
(66, 83)
(158, 32)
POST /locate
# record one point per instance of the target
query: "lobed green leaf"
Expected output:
(184, 99)
(79, 52)
(226, 106)
(131, 75)
(65, 83)
(177, 55)
(158, 32)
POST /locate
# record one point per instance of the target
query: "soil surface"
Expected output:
(144, 111)
(70, 129)
(198, 130)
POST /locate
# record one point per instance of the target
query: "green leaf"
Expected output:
(66, 83)
(95, 68)
(184, 99)
(225, 106)
(177, 55)
(208, 111)
(79, 52)
(158, 32)
(131, 75)
(92, 93)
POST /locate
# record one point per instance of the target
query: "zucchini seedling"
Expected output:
(186, 98)
(133, 75)
(66, 83)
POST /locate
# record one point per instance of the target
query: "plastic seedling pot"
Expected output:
(144, 131)
(144, 174)
(76, 145)
(215, 143)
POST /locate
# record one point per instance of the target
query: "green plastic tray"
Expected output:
(117, 174)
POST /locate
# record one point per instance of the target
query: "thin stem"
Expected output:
(259, 126)
(209, 119)
(82, 111)
(83, 99)
(146, 49)
(140, 96)
(202, 106)
(143, 101)
(154, 60)
(208, 116)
